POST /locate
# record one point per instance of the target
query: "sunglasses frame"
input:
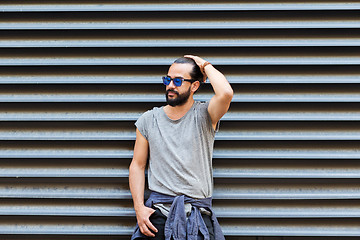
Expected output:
(167, 78)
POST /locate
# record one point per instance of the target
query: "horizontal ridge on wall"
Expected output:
(113, 226)
(241, 209)
(226, 56)
(237, 150)
(130, 112)
(230, 131)
(265, 74)
(189, 20)
(180, 38)
(223, 168)
(139, 6)
(236, 189)
(130, 93)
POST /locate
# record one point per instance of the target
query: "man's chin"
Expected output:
(172, 103)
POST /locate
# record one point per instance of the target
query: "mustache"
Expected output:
(168, 91)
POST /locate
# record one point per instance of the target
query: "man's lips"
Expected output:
(172, 93)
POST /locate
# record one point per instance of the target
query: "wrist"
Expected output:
(202, 69)
(203, 65)
(138, 206)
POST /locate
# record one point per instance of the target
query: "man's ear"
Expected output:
(195, 86)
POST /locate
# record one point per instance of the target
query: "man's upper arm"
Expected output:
(218, 106)
(141, 149)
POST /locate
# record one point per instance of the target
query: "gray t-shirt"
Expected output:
(180, 151)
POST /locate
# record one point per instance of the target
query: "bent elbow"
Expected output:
(228, 94)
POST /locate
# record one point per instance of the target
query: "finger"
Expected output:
(151, 226)
(190, 56)
(146, 231)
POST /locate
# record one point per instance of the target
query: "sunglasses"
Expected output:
(177, 81)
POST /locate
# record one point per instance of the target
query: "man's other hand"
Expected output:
(143, 218)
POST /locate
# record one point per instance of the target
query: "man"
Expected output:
(178, 139)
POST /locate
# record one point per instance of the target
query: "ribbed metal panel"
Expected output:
(75, 75)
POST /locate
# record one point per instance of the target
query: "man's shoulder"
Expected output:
(151, 112)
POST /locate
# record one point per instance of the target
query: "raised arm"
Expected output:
(220, 102)
(137, 184)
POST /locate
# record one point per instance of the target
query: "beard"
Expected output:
(179, 100)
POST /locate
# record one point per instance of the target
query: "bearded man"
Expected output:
(176, 141)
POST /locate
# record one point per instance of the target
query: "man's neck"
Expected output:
(178, 112)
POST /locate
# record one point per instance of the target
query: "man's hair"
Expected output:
(196, 73)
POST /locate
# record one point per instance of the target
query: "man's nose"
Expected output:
(172, 85)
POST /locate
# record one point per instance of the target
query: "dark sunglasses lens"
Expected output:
(166, 80)
(177, 82)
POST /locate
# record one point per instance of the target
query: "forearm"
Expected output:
(218, 81)
(143, 213)
(137, 184)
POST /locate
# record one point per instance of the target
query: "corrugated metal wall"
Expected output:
(75, 75)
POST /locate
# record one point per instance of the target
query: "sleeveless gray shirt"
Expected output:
(180, 151)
